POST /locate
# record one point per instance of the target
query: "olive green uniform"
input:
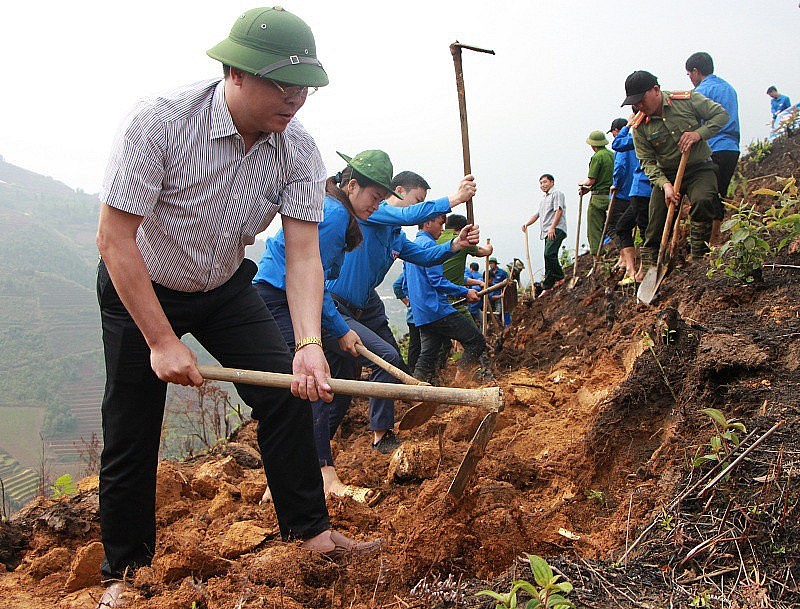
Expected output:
(601, 168)
(656, 141)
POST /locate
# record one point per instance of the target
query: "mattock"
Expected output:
(490, 398)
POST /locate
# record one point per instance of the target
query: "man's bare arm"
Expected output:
(304, 288)
(171, 360)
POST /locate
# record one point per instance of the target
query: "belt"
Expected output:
(352, 310)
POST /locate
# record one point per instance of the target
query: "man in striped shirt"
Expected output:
(194, 176)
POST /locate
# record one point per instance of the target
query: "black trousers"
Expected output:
(725, 162)
(433, 335)
(635, 215)
(234, 325)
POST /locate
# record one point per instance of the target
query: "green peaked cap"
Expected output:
(273, 43)
(597, 138)
(375, 165)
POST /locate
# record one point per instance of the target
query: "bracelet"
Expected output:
(307, 340)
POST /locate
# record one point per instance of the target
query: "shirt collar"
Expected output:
(221, 119)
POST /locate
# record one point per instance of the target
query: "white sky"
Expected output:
(74, 69)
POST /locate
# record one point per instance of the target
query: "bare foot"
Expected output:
(335, 545)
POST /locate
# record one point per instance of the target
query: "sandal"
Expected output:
(362, 494)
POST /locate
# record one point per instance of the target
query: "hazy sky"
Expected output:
(74, 69)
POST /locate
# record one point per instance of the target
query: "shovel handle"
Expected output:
(662, 250)
(484, 291)
(390, 368)
(577, 239)
(487, 397)
(605, 226)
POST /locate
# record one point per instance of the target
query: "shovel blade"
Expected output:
(418, 414)
(475, 452)
(648, 287)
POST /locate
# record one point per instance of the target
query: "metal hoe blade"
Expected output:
(477, 449)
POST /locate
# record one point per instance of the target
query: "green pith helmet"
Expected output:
(597, 138)
(374, 165)
(493, 259)
(274, 43)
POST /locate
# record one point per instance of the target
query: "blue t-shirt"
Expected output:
(718, 90)
(428, 288)
(640, 186)
(779, 104)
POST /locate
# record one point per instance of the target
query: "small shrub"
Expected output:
(547, 592)
(64, 486)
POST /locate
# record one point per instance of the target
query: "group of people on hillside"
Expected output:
(632, 184)
(197, 173)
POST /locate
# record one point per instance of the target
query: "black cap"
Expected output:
(636, 85)
(617, 123)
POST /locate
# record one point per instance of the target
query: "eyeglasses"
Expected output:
(293, 91)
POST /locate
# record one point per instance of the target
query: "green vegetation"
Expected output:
(753, 232)
(547, 592)
(725, 440)
(64, 486)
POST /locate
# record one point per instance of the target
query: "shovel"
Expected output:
(574, 281)
(484, 292)
(420, 411)
(655, 275)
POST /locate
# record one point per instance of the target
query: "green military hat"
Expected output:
(493, 259)
(597, 138)
(374, 165)
(273, 43)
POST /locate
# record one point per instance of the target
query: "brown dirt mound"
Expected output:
(601, 422)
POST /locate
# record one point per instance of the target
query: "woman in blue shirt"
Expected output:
(352, 195)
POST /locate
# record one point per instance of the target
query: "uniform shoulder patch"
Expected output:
(680, 94)
(637, 120)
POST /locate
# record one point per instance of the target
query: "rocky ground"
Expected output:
(590, 466)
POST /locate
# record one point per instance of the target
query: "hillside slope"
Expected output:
(591, 455)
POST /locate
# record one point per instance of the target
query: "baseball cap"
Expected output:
(636, 85)
(617, 123)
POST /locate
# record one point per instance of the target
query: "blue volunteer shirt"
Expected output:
(332, 234)
(401, 291)
(365, 267)
(718, 90)
(640, 185)
(474, 307)
(622, 178)
(427, 287)
(779, 104)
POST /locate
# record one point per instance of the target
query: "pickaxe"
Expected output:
(455, 50)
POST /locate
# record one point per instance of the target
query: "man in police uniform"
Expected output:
(668, 124)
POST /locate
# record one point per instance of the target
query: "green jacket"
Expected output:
(453, 267)
(656, 138)
(601, 168)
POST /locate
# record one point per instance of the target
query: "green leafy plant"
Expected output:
(64, 486)
(784, 216)
(701, 599)
(667, 521)
(743, 255)
(598, 496)
(547, 592)
(758, 150)
(726, 439)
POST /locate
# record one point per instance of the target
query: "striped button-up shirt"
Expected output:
(179, 162)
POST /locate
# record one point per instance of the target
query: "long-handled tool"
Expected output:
(419, 411)
(455, 51)
(655, 274)
(574, 281)
(492, 288)
(490, 398)
(609, 211)
(486, 397)
(486, 302)
(528, 258)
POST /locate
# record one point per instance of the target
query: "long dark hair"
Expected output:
(353, 236)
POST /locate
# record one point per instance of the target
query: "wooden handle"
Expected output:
(671, 209)
(577, 239)
(455, 49)
(390, 368)
(484, 291)
(487, 397)
(605, 226)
